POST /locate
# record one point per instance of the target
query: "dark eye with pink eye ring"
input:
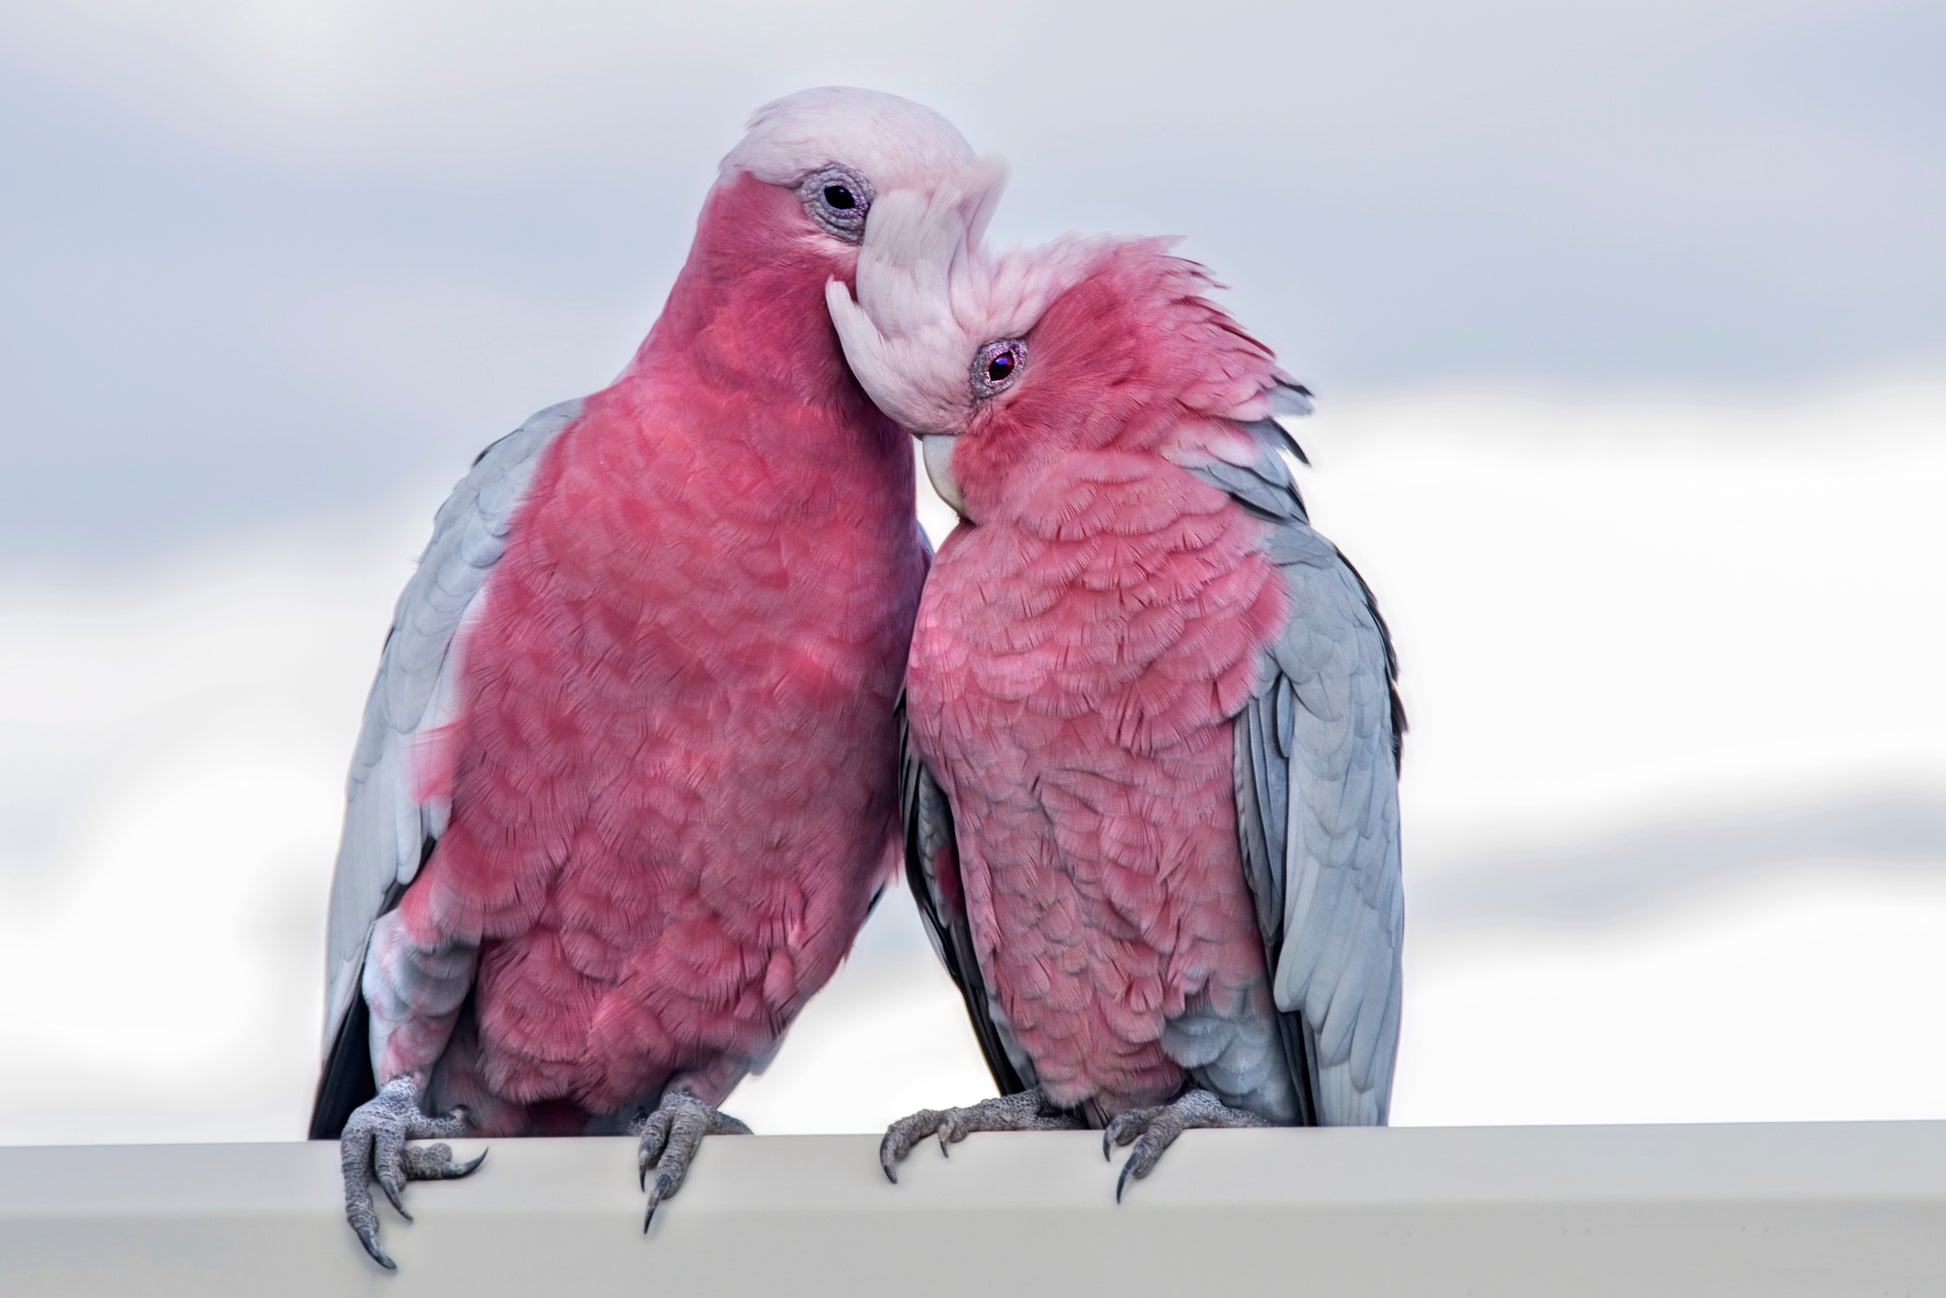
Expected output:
(996, 366)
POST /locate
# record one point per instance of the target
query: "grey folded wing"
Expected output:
(932, 868)
(1317, 765)
(388, 829)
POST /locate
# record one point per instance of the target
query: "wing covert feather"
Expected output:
(388, 829)
(932, 868)
(1317, 763)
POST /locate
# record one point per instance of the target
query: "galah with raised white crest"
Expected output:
(1151, 779)
(626, 787)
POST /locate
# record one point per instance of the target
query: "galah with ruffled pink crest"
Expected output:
(626, 787)
(1151, 783)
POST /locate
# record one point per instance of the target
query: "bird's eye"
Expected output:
(996, 366)
(837, 198)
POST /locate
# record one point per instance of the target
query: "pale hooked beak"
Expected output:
(938, 451)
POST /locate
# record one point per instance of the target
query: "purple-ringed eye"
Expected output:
(837, 198)
(996, 366)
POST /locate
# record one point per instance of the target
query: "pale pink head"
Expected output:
(790, 206)
(1002, 363)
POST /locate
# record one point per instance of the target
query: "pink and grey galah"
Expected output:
(627, 783)
(1151, 779)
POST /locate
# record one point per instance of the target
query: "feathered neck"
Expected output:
(747, 312)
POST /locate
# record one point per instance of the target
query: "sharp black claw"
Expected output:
(890, 1175)
(664, 1187)
(1107, 1137)
(378, 1254)
(1121, 1182)
(471, 1165)
(392, 1197)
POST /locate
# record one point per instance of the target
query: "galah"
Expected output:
(1151, 779)
(627, 784)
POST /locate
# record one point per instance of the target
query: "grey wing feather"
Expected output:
(1317, 762)
(387, 830)
(932, 868)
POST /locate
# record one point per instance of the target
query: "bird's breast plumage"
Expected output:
(673, 772)
(1075, 672)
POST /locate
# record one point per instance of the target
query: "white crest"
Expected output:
(929, 296)
(892, 141)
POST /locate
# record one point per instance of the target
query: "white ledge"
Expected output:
(1771, 1211)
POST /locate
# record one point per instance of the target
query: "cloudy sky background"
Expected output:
(1626, 323)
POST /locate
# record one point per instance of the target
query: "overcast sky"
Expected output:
(275, 258)
(1626, 319)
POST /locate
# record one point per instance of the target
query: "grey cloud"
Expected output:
(256, 273)
(1614, 876)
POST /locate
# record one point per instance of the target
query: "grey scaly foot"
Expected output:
(374, 1148)
(671, 1135)
(1154, 1130)
(1022, 1111)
